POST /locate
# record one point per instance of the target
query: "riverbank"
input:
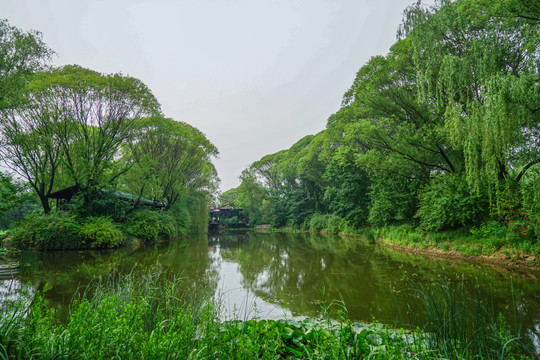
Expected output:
(62, 230)
(457, 245)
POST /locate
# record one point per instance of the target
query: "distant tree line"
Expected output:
(442, 132)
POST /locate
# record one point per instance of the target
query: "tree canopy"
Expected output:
(72, 126)
(441, 132)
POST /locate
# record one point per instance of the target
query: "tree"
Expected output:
(30, 148)
(392, 129)
(16, 200)
(21, 54)
(72, 120)
(478, 65)
(169, 158)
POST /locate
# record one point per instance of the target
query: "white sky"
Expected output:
(254, 75)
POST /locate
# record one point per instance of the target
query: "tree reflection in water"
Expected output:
(280, 274)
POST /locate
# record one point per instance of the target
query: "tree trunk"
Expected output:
(45, 203)
(527, 167)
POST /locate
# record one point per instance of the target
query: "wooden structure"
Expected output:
(65, 195)
(9, 271)
(227, 217)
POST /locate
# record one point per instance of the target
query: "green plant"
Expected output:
(447, 202)
(151, 225)
(524, 227)
(54, 231)
(461, 326)
(101, 232)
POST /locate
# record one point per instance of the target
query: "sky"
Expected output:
(254, 75)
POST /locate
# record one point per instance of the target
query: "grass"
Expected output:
(150, 317)
(464, 241)
(462, 326)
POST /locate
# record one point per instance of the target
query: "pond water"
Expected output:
(274, 275)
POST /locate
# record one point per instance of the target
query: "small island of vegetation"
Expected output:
(120, 171)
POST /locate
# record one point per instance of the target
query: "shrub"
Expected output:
(490, 229)
(54, 231)
(446, 203)
(181, 217)
(98, 202)
(330, 223)
(317, 222)
(101, 232)
(148, 225)
(393, 200)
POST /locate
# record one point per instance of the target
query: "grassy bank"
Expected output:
(150, 317)
(475, 242)
(514, 242)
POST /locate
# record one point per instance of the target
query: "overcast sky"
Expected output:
(254, 75)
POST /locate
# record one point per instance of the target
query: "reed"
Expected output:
(154, 316)
(461, 325)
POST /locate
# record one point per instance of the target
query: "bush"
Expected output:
(446, 203)
(330, 223)
(491, 229)
(101, 232)
(148, 225)
(393, 200)
(98, 202)
(54, 231)
(181, 217)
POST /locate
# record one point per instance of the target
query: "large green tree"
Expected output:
(478, 63)
(168, 158)
(74, 121)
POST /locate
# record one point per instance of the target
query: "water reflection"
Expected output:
(277, 274)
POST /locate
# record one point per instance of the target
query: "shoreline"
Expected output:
(498, 260)
(518, 261)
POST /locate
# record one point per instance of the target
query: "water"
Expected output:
(274, 275)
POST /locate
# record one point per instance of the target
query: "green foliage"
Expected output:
(478, 64)
(101, 232)
(15, 201)
(148, 225)
(99, 202)
(347, 192)
(12, 322)
(529, 191)
(491, 229)
(145, 317)
(330, 223)
(393, 200)
(168, 157)
(447, 202)
(54, 231)
(21, 53)
(181, 214)
(460, 326)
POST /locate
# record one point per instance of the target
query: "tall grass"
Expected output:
(11, 326)
(460, 325)
(153, 317)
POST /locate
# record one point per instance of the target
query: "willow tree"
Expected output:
(168, 158)
(21, 54)
(478, 63)
(30, 148)
(392, 129)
